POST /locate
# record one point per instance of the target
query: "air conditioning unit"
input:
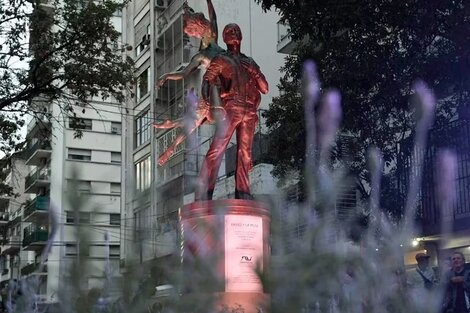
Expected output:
(115, 130)
(162, 22)
(145, 40)
(161, 4)
(160, 45)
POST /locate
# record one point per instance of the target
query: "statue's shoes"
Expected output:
(243, 195)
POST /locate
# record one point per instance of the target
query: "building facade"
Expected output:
(13, 259)
(72, 185)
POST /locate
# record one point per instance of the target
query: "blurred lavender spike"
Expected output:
(311, 89)
(329, 118)
(425, 107)
(426, 104)
(190, 117)
(375, 161)
(50, 241)
(107, 269)
(446, 174)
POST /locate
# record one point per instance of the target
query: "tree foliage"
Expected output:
(372, 51)
(64, 51)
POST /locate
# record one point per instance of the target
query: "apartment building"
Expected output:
(72, 181)
(13, 260)
(153, 194)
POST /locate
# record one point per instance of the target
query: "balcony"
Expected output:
(169, 12)
(5, 275)
(37, 207)
(39, 178)
(32, 268)
(4, 218)
(174, 167)
(39, 125)
(35, 238)
(4, 203)
(40, 150)
(12, 245)
(285, 44)
(15, 218)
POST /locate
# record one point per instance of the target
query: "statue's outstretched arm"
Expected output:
(213, 19)
(191, 67)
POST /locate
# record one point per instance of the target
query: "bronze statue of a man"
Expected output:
(239, 82)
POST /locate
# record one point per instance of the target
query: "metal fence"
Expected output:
(454, 135)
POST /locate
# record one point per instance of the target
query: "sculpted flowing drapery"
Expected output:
(195, 25)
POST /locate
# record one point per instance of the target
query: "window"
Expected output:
(115, 157)
(3, 263)
(118, 13)
(84, 186)
(116, 128)
(80, 123)
(115, 188)
(143, 174)
(142, 129)
(143, 84)
(142, 34)
(70, 217)
(144, 41)
(114, 251)
(142, 223)
(79, 154)
(83, 217)
(114, 219)
(71, 249)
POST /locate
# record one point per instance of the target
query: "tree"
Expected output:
(372, 51)
(64, 51)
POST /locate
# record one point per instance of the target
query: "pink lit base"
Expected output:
(236, 233)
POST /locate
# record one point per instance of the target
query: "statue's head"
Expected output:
(232, 34)
(195, 24)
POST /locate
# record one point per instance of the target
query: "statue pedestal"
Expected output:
(233, 234)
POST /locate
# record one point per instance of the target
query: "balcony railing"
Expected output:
(38, 123)
(40, 203)
(175, 7)
(4, 204)
(11, 245)
(454, 135)
(35, 237)
(282, 32)
(31, 268)
(40, 177)
(40, 149)
(4, 218)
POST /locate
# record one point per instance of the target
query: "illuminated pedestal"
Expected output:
(236, 234)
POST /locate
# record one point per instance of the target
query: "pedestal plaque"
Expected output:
(236, 232)
(243, 253)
